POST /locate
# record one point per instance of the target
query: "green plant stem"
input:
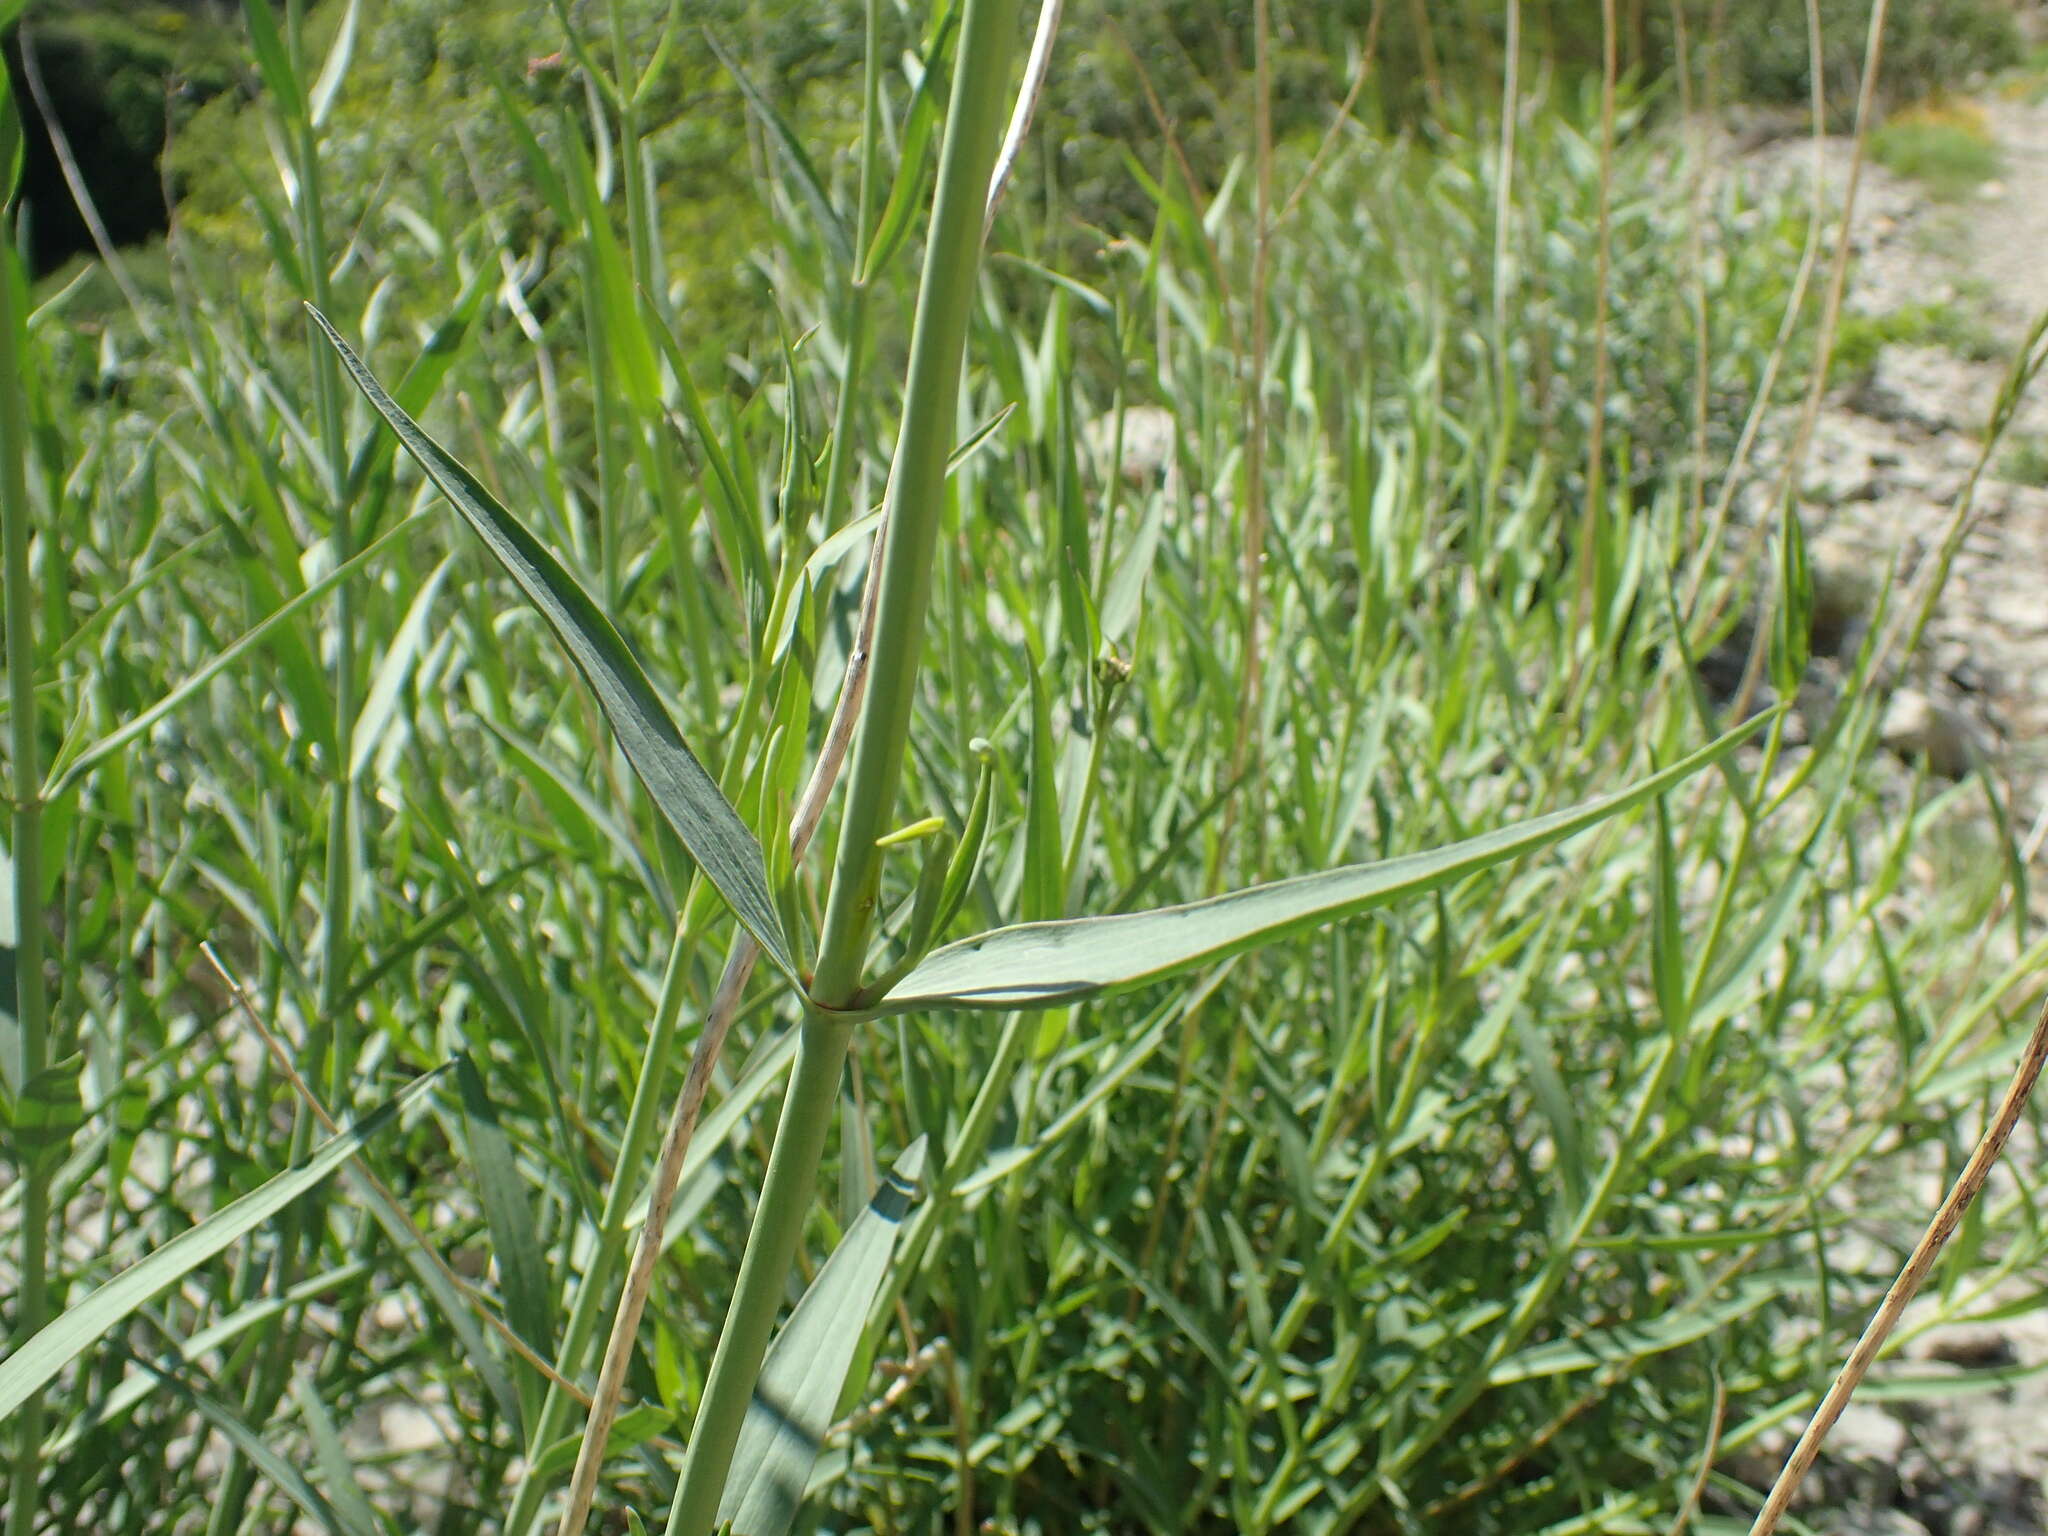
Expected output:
(31, 1004)
(911, 523)
(916, 495)
(757, 1295)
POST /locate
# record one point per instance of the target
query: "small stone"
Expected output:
(2017, 612)
(406, 1427)
(1868, 1435)
(1928, 388)
(1148, 442)
(1846, 579)
(1916, 726)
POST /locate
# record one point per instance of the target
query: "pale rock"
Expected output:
(1148, 442)
(1868, 1435)
(407, 1427)
(1917, 726)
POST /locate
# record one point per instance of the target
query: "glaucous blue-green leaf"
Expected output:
(78, 1328)
(1050, 964)
(723, 846)
(805, 1372)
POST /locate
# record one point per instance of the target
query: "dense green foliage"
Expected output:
(1927, 48)
(1461, 1217)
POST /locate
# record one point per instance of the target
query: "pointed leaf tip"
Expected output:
(1052, 964)
(721, 843)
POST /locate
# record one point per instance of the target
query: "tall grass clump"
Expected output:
(1303, 1011)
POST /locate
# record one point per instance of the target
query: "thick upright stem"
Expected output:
(757, 1295)
(910, 533)
(31, 1005)
(916, 488)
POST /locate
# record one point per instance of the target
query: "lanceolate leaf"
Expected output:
(702, 817)
(29, 1368)
(1044, 965)
(805, 1372)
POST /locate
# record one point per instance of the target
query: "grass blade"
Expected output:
(830, 225)
(805, 1371)
(522, 1264)
(1039, 965)
(30, 1368)
(392, 674)
(335, 70)
(688, 796)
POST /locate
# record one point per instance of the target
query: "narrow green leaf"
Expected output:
(140, 1383)
(1041, 965)
(281, 1471)
(422, 377)
(632, 357)
(1667, 961)
(725, 495)
(335, 70)
(919, 133)
(1625, 1343)
(10, 143)
(63, 773)
(273, 62)
(1044, 870)
(688, 797)
(1120, 600)
(546, 179)
(830, 225)
(106, 610)
(392, 672)
(30, 1367)
(633, 1428)
(522, 1267)
(337, 1466)
(1000, 1165)
(805, 1372)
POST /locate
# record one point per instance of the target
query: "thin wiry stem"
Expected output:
(1696, 264)
(1036, 68)
(1247, 752)
(1504, 201)
(74, 180)
(1831, 309)
(1706, 556)
(1943, 1227)
(1596, 432)
(1366, 57)
(281, 1056)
